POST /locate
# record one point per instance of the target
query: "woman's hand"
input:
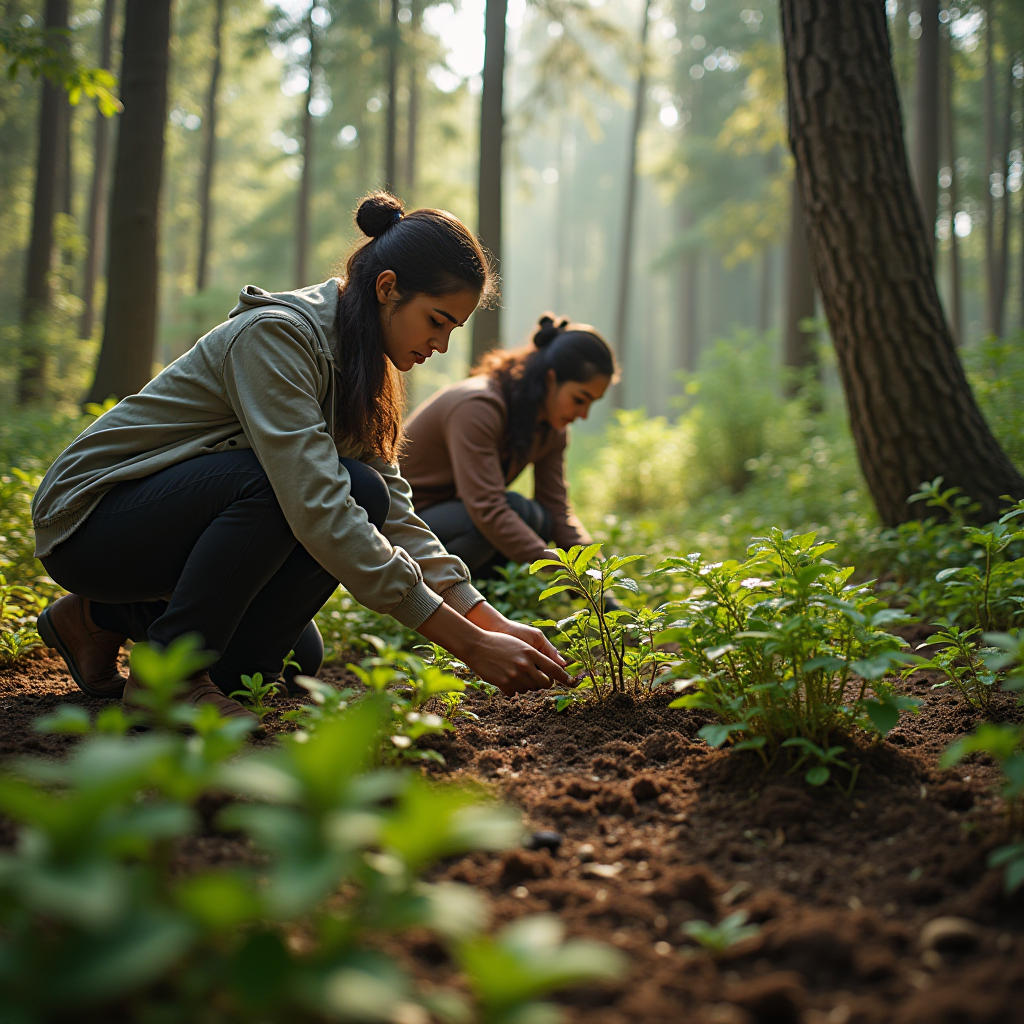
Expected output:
(487, 617)
(497, 657)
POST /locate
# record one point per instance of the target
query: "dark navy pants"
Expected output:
(203, 547)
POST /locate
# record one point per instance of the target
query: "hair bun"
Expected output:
(547, 330)
(379, 212)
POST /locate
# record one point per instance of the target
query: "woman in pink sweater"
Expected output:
(468, 442)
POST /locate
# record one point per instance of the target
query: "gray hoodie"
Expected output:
(264, 379)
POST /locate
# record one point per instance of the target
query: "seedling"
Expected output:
(609, 650)
(16, 637)
(962, 662)
(254, 694)
(718, 939)
(826, 761)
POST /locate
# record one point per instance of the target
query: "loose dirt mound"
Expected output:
(657, 829)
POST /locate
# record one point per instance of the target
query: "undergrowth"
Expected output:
(98, 917)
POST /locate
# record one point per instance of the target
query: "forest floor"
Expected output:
(658, 829)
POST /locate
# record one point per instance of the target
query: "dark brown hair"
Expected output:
(431, 253)
(573, 351)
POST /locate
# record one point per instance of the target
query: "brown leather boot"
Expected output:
(89, 652)
(201, 690)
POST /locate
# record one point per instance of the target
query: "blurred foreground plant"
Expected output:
(99, 916)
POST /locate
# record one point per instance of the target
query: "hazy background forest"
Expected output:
(729, 414)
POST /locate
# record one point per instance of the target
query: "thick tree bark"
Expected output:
(912, 413)
(687, 312)
(209, 147)
(1002, 259)
(799, 348)
(926, 116)
(96, 227)
(487, 322)
(391, 129)
(129, 335)
(956, 309)
(306, 181)
(629, 207)
(53, 129)
(413, 111)
(989, 117)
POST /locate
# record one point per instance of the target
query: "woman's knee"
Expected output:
(369, 491)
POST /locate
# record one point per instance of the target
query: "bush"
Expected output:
(785, 651)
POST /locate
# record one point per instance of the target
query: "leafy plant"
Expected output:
(609, 650)
(16, 637)
(96, 917)
(962, 662)
(719, 938)
(406, 682)
(1004, 743)
(254, 694)
(784, 650)
(985, 585)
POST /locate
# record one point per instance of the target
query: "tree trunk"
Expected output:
(955, 284)
(629, 207)
(53, 128)
(413, 112)
(1002, 260)
(129, 335)
(306, 181)
(926, 116)
(912, 413)
(799, 347)
(989, 115)
(688, 267)
(209, 147)
(96, 227)
(391, 130)
(487, 322)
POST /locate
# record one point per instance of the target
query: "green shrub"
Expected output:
(785, 651)
(97, 918)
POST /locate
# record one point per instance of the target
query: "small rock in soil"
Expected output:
(544, 840)
(949, 935)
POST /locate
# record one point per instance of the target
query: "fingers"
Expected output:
(550, 668)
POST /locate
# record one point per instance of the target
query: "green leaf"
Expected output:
(585, 557)
(818, 775)
(716, 735)
(67, 719)
(551, 591)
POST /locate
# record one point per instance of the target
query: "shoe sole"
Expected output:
(50, 636)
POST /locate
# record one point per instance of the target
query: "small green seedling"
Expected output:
(719, 938)
(16, 637)
(826, 759)
(254, 694)
(962, 662)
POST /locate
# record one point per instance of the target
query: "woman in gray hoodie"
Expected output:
(233, 493)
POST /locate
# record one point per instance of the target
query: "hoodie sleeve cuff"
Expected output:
(463, 597)
(417, 606)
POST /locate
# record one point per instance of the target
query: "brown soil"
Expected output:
(658, 829)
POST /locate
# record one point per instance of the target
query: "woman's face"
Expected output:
(571, 400)
(415, 330)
